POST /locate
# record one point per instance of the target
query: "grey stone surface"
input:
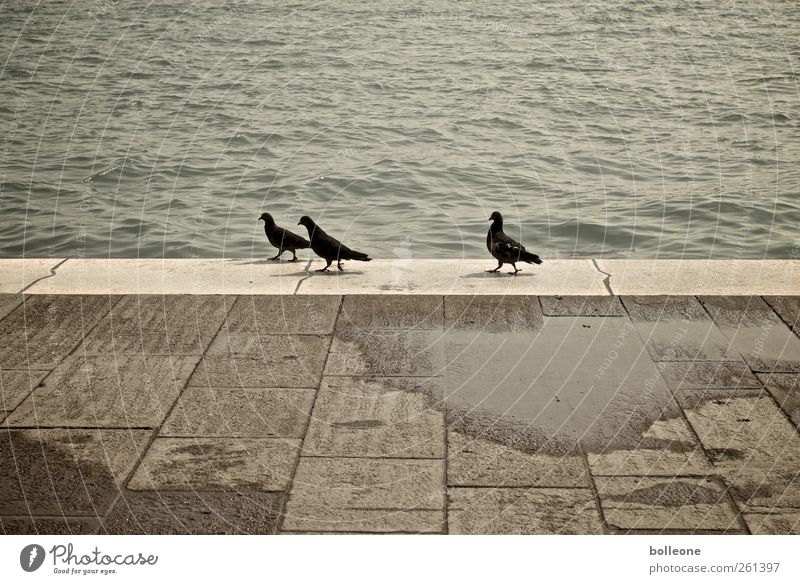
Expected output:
(753, 446)
(15, 385)
(386, 353)
(765, 342)
(32, 525)
(45, 329)
(785, 388)
(383, 417)
(159, 325)
(246, 360)
(775, 522)
(582, 306)
(686, 341)
(668, 448)
(522, 511)
(474, 462)
(677, 328)
(391, 312)
(217, 464)
(788, 308)
(240, 413)
(665, 503)
(9, 302)
(94, 391)
(664, 308)
(65, 472)
(708, 375)
(366, 495)
(282, 314)
(582, 379)
(194, 512)
(492, 313)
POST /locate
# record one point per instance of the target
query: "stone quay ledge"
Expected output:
(238, 396)
(582, 277)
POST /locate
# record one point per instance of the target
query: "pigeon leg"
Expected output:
(272, 259)
(500, 265)
(339, 265)
(294, 256)
(325, 269)
(514, 273)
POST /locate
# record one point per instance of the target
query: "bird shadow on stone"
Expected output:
(498, 275)
(333, 273)
(270, 262)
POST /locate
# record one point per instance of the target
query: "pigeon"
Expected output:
(281, 238)
(504, 249)
(328, 248)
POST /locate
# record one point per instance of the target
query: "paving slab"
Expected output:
(194, 513)
(682, 503)
(383, 417)
(248, 360)
(117, 392)
(582, 306)
(763, 339)
(492, 313)
(16, 274)
(788, 308)
(65, 472)
(159, 325)
(364, 312)
(16, 385)
(8, 302)
(48, 525)
(522, 511)
(45, 329)
(785, 388)
(386, 353)
(668, 448)
(240, 413)
(587, 380)
(678, 329)
(217, 464)
(708, 375)
(173, 276)
(688, 277)
(367, 495)
(281, 315)
(776, 522)
(661, 308)
(751, 443)
(456, 277)
(475, 462)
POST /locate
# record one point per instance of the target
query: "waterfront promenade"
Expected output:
(408, 396)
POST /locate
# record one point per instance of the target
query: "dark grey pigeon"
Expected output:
(281, 238)
(504, 249)
(328, 248)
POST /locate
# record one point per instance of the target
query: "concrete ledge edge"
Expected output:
(578, 277)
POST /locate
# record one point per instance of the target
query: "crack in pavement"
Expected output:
(50, 275)
(606, 280)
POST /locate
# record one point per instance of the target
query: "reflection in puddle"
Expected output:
(582, 379)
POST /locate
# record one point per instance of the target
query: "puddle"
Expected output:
(559, 383)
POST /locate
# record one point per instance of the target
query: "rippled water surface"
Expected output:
(666, 129)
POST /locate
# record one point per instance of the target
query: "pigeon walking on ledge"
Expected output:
(328, 248)
(281, 238)
(504, 249)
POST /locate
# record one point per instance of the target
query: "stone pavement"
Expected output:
(399, 413)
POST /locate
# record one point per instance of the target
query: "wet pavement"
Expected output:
(399, 414)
